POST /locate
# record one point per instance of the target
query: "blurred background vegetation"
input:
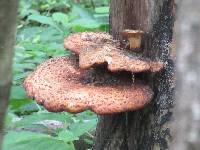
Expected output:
(42, 26)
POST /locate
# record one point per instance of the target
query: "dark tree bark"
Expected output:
(8, 13)
(187, 114)
(148, 128)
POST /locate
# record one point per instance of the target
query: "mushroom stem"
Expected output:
(135, 42)
(134, 37)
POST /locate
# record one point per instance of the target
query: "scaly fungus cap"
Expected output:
(59, 85)
(79, 41)
(100, 48)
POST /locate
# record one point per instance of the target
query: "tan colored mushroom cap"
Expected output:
(128, 32)
(59, 85)
(134, 38)
(99, 48)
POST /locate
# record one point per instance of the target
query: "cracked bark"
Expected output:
(146, 129)
(8, 13)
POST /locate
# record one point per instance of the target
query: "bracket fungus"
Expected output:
(79, 41)
(59, 85)
(99, 48)
(72, 84)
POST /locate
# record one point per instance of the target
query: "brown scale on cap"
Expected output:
(79, 41)
(59, 85)
(100, 48)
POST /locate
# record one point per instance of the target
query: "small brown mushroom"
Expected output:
(100, 48)
(134, 37)
(59, 85)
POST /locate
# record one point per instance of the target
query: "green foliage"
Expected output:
(42, 26)
(34, 141)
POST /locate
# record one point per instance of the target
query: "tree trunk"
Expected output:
(187, 124)
(148, 128)
(8, 13)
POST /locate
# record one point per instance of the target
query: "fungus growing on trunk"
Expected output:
(72, 84)
(100, 48)
(134, 37)
(59, 85)
(78, 41)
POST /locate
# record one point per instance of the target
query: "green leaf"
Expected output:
(24, 107)
(42, 19)
(17, 92)
(102, 10)
(9, 119)
(81, 127)
(15, 137)
(81, 12)
(24, 66)
(33, 47)
(37, 117)
(87, 23)
(67, 136)
(34, 141)
(20, 76)
(86, 115)
(29, 33)
(104, 27)
(17, 103)
(51, 34)
(88, 141)
(61, 18)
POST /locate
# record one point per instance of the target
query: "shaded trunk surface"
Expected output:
(187, 114)
(8, 13)
(148, 128)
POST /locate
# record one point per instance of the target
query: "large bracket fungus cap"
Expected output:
(59, 85)
(100, 48)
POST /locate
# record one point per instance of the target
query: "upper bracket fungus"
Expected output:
(100, 48)
(78, 41)
(72, 84)
(59, 85)
(134, 37)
